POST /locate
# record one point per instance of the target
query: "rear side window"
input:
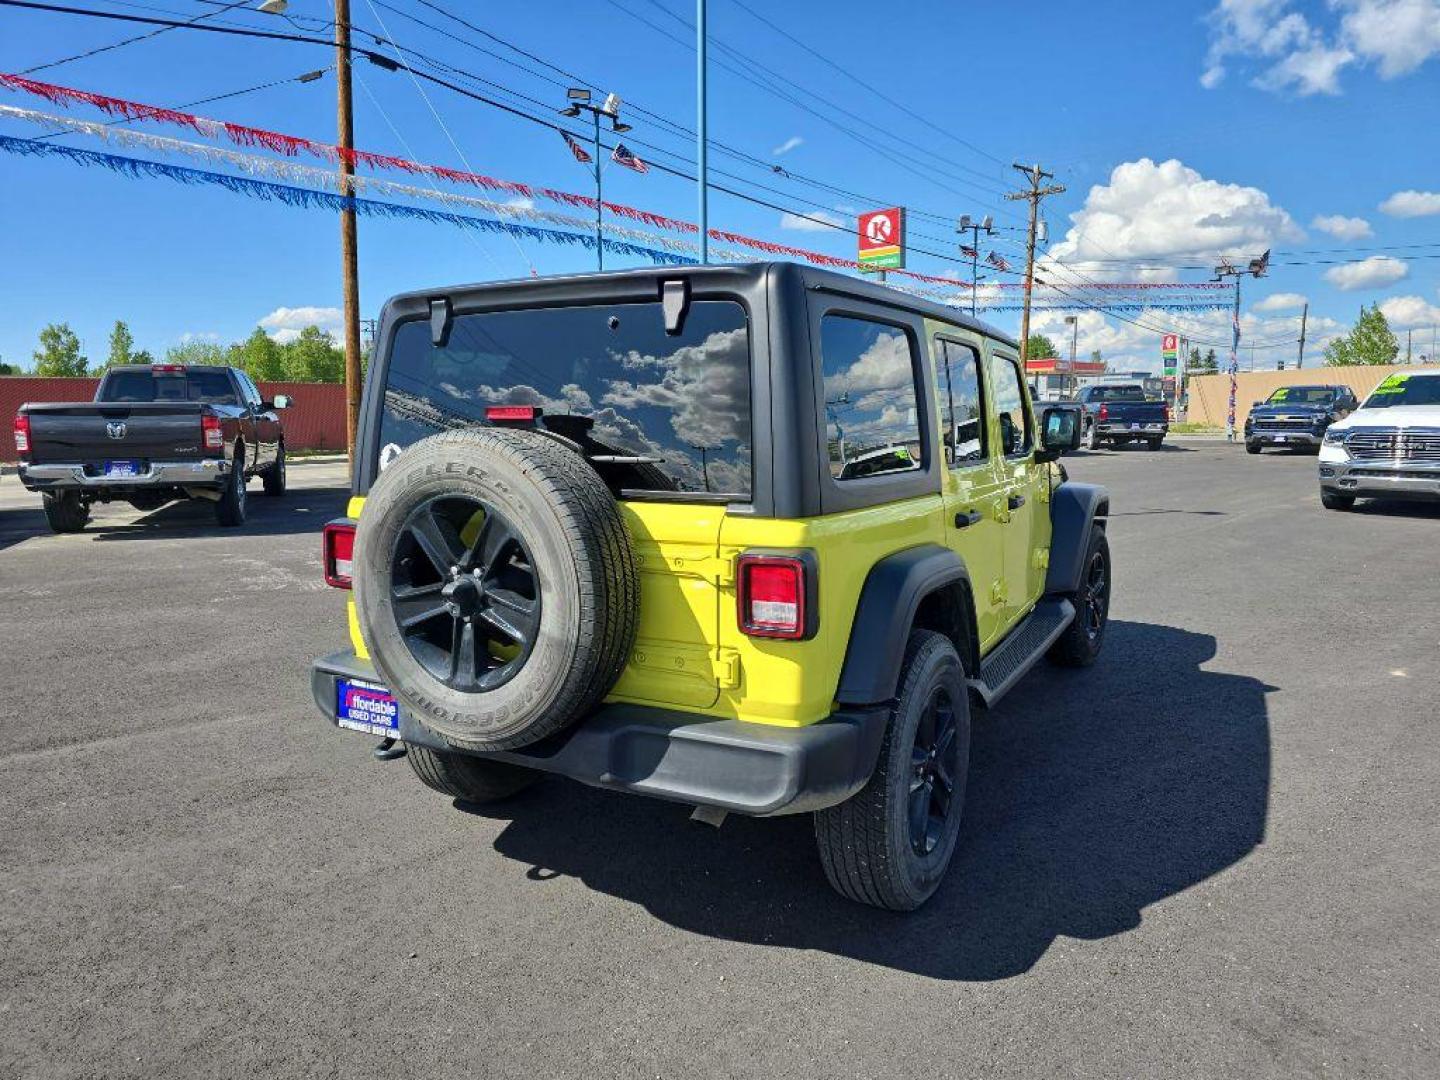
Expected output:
(871, 421)
(962, 404)
(145, 386)
(653, 412)
(1010, 405)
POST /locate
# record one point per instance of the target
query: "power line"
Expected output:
(127, 41)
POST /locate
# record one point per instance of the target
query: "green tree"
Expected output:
(1370, 341)
(122, 346)
(1040, 347)
(144, 356)
(261, 357)
(1203, 365)
(8, 369)
(59, 353)
(313, 357)
(195, 352)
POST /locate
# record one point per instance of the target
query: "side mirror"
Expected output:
(1256, 404)
(281, 402)
(1059, 433)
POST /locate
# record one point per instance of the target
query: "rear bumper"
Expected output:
(1118, 429)
(1381, 479)
(754, 769)
(207, 472)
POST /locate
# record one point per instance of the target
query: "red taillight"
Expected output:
(772, 596)
(22, 433)
(511, 412)
(1167, 414)
(1104, 413)
(167, 369)
(212, 435)
(338, 553)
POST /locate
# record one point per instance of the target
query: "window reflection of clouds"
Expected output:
(870, 400)
(683, 401)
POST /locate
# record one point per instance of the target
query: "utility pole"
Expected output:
(967, 223)
(702, 179)
(1256, 268)
(1408, 335)
(1304, 320)
(1035, 175)
(349, 258)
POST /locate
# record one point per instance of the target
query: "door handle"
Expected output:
(965, 518)
(1016, 501)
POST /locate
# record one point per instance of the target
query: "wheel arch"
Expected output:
(926, 586)
(1074, 508)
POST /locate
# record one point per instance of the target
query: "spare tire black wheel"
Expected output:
(495, 586)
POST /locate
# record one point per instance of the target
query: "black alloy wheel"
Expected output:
(464, 592)
(934, 764)
(1095, 596)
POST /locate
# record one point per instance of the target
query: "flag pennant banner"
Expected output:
(622, 156)
(997, 261)
(969, 252)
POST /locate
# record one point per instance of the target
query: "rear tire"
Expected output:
(1252, 448)
(1332, 501)
(890, 844)
(1091, 439)
(274, 478)
(230, 509)
(1153, 444)
(1082, 640)
(467, 778)
(66, 511)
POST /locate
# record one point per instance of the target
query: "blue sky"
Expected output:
(1181, 130)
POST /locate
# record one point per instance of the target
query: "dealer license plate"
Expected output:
(1134, 427)
(1279, 438)
(122, 468)
(363, 706)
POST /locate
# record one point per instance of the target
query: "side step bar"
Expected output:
(1025, 644)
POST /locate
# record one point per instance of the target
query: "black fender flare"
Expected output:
(1074, 508)
(884, 615)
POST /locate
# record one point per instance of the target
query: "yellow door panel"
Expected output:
(676, 552)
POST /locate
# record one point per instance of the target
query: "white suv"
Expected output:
(1389, 448)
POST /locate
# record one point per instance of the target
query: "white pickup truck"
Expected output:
(1389, 448)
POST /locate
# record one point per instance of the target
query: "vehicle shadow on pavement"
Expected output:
(1093, 794)
(297, 511)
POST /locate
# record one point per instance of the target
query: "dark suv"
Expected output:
(1297, 416)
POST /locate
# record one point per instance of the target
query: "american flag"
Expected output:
(969, 252)
(622, 156)
(581, 154)
(996, 261)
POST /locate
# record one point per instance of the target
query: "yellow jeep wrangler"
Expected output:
(750, 538)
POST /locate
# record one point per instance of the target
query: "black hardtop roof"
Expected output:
(811, 277)
(162, 364)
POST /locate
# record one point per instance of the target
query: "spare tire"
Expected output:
(495, 586)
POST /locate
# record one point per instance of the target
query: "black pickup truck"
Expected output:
(1297, 416)
(1121, 412)
(153, 434)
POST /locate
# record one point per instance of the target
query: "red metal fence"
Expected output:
(314, 421)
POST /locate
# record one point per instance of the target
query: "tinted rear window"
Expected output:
(1118, 393)
(674, 408)
(145, 386)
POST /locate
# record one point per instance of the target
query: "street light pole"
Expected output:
(974, 227)
(580, 101)
(349, 259)
(1226, 269)
(702, 170)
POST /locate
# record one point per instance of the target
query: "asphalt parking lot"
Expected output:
(1214, 854)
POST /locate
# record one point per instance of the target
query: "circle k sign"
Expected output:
(882, 238)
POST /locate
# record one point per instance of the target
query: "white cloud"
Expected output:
(1398, 35)
(520, 202)
(1283, 301)
(1408, 204)
(198, 335)
(1410, 312)
(284, 323)
(789, 144)
(1342, 227)
(1371, 273)
(811, 220)
(1290, 52)
(1158, 211)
